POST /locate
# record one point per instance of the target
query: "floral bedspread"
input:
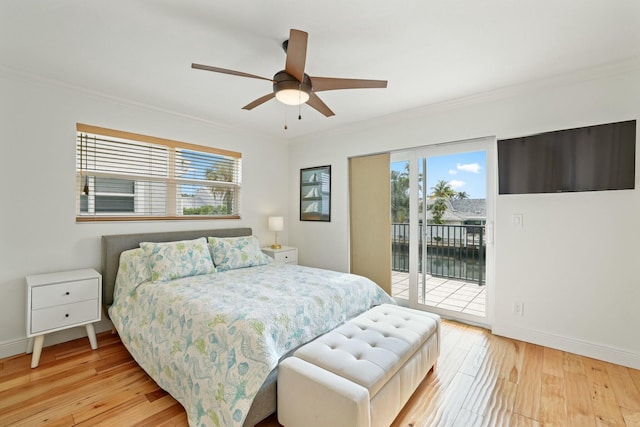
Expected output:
(211, 340)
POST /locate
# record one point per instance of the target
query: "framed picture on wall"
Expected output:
(315, 194)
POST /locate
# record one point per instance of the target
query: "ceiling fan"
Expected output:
(292, 86)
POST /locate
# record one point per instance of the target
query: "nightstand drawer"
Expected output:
(64, 293)
(283, 255)
(287, 257)
(64, 315)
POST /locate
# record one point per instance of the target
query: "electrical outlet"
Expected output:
(518, 308)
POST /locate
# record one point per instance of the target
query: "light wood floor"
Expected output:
(480, 380)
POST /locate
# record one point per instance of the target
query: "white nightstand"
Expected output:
(285, 255)
(58, 301)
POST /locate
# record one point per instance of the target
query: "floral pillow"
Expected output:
(173, 260)
(237, 252)
(133, 269)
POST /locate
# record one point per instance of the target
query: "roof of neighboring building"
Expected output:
(472, 208)
(462, 210)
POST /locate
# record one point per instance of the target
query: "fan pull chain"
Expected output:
(300, 101)
(285, 118)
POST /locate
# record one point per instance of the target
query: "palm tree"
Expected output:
(438, 208)
(441, 192)
(461, 195)
(400, 196)
(222, 171)
(442, 189)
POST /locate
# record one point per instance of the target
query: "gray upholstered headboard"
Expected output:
(113, 245)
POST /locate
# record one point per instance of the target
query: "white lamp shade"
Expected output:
(276, 223)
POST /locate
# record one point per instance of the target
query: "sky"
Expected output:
(463, 171)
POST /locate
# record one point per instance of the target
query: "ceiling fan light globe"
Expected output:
(292, 96)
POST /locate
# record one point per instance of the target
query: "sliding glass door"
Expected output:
(442, 228)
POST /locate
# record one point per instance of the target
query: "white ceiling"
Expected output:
(429, 50)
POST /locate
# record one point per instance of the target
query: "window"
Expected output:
(126, 176)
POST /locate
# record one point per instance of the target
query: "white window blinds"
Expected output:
(127, 176)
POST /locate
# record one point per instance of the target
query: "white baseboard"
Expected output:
(22, 346)
(571, 345)
(11, 348)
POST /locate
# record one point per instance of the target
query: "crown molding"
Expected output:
(606, 70)
(31, 78)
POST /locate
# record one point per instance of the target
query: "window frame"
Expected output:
(171, 182)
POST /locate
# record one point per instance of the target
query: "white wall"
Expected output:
(574, 264)
(38, 232)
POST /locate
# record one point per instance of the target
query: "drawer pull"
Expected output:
(67, 293)
(66, 315)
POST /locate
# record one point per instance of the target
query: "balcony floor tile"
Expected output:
(454, 295)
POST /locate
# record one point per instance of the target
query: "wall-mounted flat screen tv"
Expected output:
(592, 158)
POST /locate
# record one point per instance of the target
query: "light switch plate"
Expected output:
(517, 220)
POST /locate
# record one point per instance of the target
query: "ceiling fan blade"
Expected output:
(315, 102)
(296, 54)
(319, 84)
(261, 100)
(225, 71)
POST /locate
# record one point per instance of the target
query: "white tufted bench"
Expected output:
(361, 373)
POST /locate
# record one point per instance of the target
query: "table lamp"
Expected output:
(276, 223)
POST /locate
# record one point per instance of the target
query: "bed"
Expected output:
(212, 338)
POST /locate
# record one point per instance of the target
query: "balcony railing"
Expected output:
(452, 251)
